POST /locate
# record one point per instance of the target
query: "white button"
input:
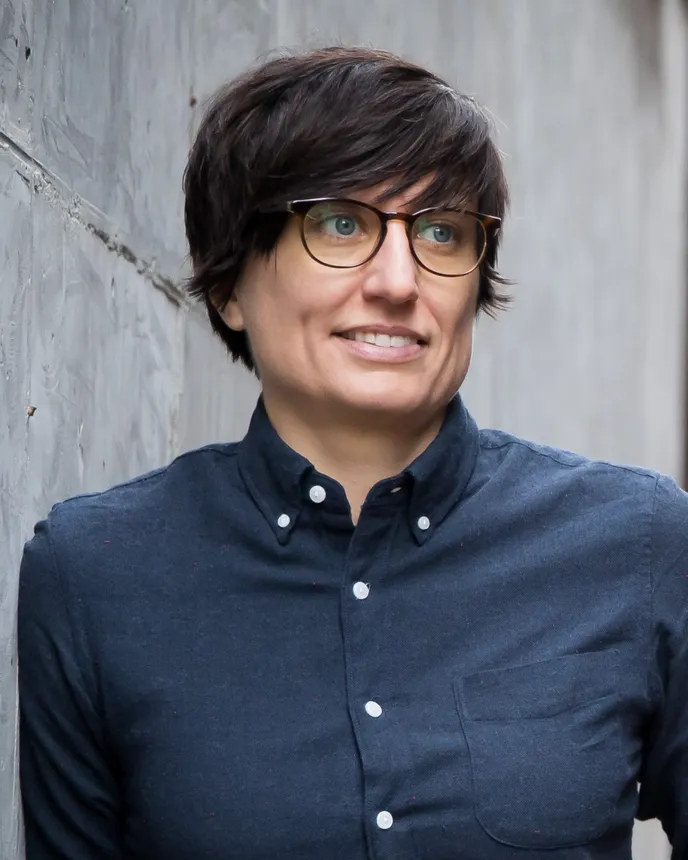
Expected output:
(283, 520)
(361, 590)
(384, 820)
(423, 523)
(395, 490)
(317, 494)
(373, 709)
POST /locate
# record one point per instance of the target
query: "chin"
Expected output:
(389, 400)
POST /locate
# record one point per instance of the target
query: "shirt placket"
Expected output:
(370, 699)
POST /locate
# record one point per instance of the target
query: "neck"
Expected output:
(355, 452)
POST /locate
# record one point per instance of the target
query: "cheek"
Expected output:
(287, 317)
(456, 314)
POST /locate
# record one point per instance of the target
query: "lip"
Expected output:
(399, 330)
(383, 354)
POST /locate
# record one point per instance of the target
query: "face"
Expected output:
(303, 320)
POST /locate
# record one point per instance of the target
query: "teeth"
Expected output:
(386, 340)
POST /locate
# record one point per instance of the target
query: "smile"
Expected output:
(384, 340)
(382, 347)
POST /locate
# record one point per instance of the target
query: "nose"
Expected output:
(392, 272)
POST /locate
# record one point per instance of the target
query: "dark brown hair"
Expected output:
(325, 123)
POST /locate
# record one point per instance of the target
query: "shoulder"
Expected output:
(669, 546)
(543, 465)
(149, 512)
(643, 504)
(161, 492)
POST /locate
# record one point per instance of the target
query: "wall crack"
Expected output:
(77, 209)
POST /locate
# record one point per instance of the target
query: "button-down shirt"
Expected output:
(215, 663)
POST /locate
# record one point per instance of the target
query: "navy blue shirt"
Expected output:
(215, 664)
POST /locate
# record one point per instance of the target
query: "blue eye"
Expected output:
(340, 225)
(338, 221)
(440, 233)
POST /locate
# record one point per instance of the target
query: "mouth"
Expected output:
(393, 340)
(394, 346)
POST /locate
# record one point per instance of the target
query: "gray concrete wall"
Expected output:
(97, 103)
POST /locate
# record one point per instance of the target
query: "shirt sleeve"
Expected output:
(664, 774)
(69, 789)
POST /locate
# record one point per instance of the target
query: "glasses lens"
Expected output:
(449, 242)
(340, 233)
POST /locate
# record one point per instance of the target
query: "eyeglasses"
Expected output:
(344, 234)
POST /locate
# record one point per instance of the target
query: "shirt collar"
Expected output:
(279, 479)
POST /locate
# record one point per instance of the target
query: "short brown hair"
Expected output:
(324, 123)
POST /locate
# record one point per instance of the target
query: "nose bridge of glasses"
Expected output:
(387, 217)
(395, 259)
(405, 224)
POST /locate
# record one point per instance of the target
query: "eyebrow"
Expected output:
(409, 205)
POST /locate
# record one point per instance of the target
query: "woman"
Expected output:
(369, 629)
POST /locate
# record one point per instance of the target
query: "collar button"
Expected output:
(317, 494)
(283, 520)
(423, 523)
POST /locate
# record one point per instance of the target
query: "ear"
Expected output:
(231, 313)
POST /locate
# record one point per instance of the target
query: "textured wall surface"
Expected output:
(98, 99)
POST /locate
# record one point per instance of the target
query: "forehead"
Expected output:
(410, 199)
(380, 194)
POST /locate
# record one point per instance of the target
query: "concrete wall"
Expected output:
(97, 102)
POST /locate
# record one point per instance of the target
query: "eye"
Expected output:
(433, 231)
(448, 241)
(340, 221)
(339, 225)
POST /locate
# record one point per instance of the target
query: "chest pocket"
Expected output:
(545, 749)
